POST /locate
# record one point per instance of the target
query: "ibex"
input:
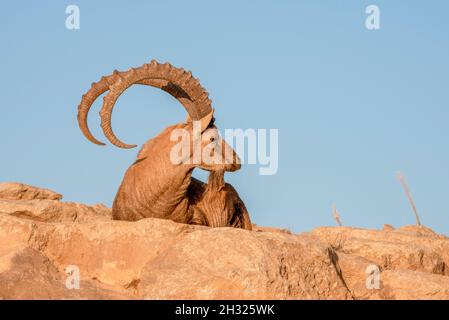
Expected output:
(156, 186)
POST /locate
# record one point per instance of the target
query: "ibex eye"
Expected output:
(212, 139)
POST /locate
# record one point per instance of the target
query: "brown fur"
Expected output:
(155, 187)
(220, 204)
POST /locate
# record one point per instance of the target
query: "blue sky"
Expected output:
(352, 106)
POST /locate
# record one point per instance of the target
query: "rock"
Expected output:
(43, 205)
(270, 229)
(406, 257)
(412, 285)
(403, 248)
(113, 252)
(354, 273)
(152, 258)
(55, 211)
(20, 191)
(161, 259)
(27, 274)
(226, 263)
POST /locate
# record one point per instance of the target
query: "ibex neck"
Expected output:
(154, 186)
(165, 188)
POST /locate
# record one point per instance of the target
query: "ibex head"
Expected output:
(186, 89)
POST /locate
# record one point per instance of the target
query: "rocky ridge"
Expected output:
(46, 243)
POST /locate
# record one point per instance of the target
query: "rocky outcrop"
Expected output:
(54, 211)
(20, 191)
(160, 259)
(45, 242)
(33, 203)
(413, 261)
(25, 273)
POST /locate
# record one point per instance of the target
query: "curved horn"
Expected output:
(100, 87)
(96, 90)
(177, 78)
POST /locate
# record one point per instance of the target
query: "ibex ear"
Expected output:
(205, 121)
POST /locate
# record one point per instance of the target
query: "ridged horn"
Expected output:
(174, 89)
(96, 90)
(177, 78)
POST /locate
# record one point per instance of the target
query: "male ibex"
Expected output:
(156, 186)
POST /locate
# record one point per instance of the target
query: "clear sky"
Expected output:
(352, 105)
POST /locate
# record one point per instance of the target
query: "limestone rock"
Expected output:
(161, 259)
(412, 261)
(152, 258)
(20, 191)
(413, 248)
(28, 274)
(54, 211)
(226, 263)
(354, 270)
(412, 285)
(258, 228)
